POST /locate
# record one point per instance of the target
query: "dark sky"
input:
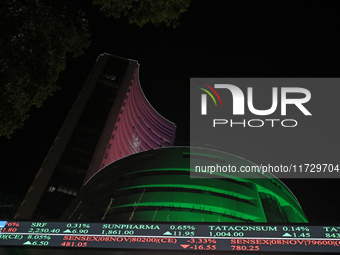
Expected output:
(216, 39)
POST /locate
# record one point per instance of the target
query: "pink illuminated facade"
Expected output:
(110, 119)
(138, 127)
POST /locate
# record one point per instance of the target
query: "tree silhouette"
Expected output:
(35, 37)
(141, 12)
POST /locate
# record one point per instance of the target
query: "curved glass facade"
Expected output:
(155, 185)
(133, 125)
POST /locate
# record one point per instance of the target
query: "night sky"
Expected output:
(215, 39)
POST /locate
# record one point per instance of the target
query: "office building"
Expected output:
(110, 119)
(114, 160)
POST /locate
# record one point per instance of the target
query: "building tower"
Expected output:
(110, 119)
(114, 160)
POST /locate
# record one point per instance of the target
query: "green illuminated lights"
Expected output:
(156, 186)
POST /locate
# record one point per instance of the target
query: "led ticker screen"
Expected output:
(171, 236)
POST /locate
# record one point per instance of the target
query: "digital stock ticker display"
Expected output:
(172, 236)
